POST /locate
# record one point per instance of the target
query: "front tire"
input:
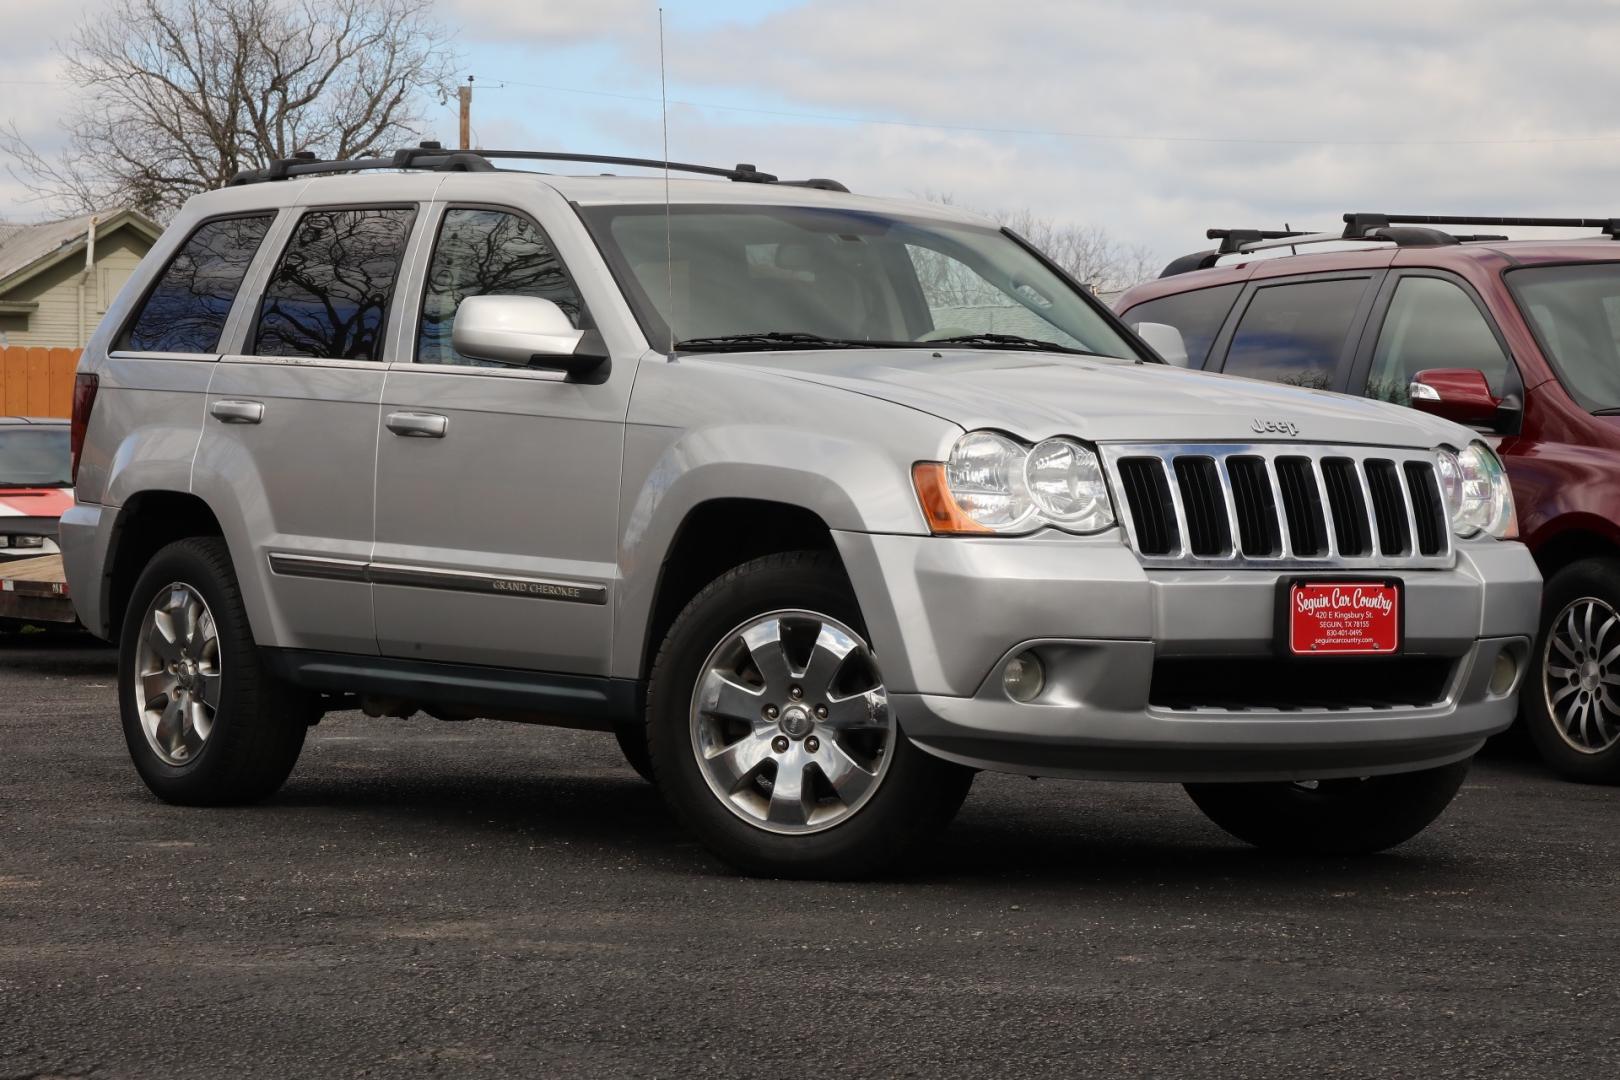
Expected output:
(1331, 817)
(1572, 701)
(205, 722)
(770, 731)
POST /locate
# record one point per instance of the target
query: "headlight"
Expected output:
(1476, 492)
(993, 484)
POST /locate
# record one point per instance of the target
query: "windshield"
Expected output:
(34, 456)
(1575, 312)
(822, 277)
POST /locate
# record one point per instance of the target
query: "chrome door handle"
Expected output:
(237, 412)
(418, 425)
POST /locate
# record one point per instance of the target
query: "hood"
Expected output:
(1037, 395)
(34, 502)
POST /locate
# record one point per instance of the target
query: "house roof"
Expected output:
(26, 250)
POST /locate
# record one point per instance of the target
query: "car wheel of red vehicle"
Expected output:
(1572, 702)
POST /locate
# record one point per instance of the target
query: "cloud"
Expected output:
(543, 22)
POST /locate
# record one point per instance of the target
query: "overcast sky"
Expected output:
(1153, 119)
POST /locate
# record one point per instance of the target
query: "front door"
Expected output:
(497, 487)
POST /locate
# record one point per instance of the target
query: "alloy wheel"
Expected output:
(1580, 674)
(177, 674)
(790, 722)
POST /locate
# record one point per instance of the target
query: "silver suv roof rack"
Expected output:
(434, 157)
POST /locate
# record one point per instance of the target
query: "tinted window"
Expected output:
(33, 456)
(483, 252)
(1295, 333)
(1198, 315)
(1432, 324)
(186, 310)
(329, 295)
(1575, 311)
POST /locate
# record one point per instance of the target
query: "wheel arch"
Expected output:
(1579, 537)
(708, 542)
(146, 523)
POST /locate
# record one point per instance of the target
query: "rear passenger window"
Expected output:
(487, 252)
(1432, 324)
(1295, 334)
(328, 297)
(1198, 315)
(186, 310)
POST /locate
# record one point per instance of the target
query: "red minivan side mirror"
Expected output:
(1458, 394)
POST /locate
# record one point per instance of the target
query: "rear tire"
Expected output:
(1335, 817)
(796, 772)
(1571, 708)
(205, 722)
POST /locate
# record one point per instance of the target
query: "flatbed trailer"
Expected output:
(34, 591)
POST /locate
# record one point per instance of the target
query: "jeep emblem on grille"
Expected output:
(1274, 427)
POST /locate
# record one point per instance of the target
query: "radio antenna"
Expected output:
(669, 243)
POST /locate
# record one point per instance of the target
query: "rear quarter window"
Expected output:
(186, 309)
(1199, 316)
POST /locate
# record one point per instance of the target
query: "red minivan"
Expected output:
(1518, 339)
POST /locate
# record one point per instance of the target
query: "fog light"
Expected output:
(1023, 678)
(1503, 672)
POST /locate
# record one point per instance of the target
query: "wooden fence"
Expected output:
(37, 382)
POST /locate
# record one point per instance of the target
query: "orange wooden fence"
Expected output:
(37, 382)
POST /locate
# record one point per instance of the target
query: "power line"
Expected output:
(1054, 133)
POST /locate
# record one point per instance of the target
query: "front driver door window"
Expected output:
(1432, 323)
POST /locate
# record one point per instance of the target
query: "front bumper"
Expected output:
(944, 614)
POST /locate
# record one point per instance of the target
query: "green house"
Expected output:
(51, 295)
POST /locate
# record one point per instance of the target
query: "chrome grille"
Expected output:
(1279, 505)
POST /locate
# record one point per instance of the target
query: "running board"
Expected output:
(593, 702)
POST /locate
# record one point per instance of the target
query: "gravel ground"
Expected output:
(479, 899)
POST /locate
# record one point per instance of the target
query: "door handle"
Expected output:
(237, 412)
(418, 425)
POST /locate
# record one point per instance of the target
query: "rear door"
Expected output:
(1301, 331)
(290, 431)
(497, 486)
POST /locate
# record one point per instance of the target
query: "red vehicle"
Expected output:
(34, 485)
(1518, 339)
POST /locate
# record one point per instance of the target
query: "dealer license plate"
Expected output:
(1343, 618)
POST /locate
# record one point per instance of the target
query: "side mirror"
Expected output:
(1458, 394)
(1166, 341)
(527, 331)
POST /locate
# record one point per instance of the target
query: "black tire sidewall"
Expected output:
(1598, 578)
(216, 774)
(913, 792)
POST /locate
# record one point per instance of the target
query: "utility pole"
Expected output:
(465, 94)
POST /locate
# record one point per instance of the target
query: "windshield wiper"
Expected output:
(768, 339)
(1007, 341)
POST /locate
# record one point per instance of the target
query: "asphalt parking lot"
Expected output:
(479, 899)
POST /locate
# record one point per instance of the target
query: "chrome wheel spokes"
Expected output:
(177, 674)
(790, 722)
(1580, 675)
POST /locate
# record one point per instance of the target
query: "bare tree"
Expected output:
(1089, 253)
(177, 96)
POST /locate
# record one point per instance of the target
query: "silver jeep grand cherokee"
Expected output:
(820, 503)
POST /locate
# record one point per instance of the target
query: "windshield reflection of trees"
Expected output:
(187, 309)
(329, 296)
(487, 252)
